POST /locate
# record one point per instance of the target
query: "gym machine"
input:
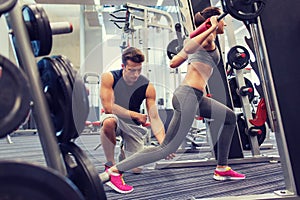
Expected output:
(55, 88)
(140, 25)
(241, 11)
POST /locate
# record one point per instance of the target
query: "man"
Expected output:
(122, 92)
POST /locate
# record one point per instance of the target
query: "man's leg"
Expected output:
(108, 138)
(133, 142)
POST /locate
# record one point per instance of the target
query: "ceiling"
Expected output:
(107, 6)
(109, 2)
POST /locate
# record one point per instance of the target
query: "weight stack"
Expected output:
(280, 22)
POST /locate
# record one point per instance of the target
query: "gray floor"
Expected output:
(171, 183)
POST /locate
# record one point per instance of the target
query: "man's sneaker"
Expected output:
(117, 183)
(229, 174)
(108, 165)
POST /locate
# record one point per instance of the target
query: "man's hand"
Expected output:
(141, 118)
(170, 156)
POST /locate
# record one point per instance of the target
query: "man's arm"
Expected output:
(157, 125)
(107, 100)
(106, 92)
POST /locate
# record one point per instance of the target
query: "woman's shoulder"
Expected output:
(209, 44)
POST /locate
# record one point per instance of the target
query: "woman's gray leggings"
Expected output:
(187, 103)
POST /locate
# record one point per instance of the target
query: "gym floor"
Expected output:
(263, 178)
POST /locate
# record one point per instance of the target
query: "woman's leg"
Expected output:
(221, 127)
(185, 104)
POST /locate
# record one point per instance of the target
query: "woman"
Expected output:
(188, 100)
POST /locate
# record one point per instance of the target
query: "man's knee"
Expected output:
(109, 125)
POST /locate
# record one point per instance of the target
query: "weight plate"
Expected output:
(238, 57)
(173, 49)
(6, 5)
(58, 93)
(39, 29)
(243, 133)
(235, 94)
(22, 181)
(62, 60)
(71, 127)
(14, 96)
(244, 9)
(80, 101)
(82, 172)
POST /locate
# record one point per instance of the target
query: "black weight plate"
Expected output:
(68, 132)
(6, 5)
(235, 61)
(244, 10)
(243, 135)
(234, 91)
(68, 85)
(172, 49)
(45, 33)
(14, 96)
(41, 35)
(23, 181)
(82, 172)
(58, 93)
(52, 89)
(80, 101)
(71, 74)
(70, 66)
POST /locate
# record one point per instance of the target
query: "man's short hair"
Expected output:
(133, 54)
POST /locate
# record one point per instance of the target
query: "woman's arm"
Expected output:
(193, 44)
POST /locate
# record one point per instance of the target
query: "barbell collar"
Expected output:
(61, 28)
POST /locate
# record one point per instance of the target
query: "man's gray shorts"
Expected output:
(132, 135)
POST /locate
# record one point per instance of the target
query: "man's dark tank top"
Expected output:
(129, 96)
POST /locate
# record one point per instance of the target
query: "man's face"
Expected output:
(131, 72)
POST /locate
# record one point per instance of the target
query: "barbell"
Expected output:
(244, 10)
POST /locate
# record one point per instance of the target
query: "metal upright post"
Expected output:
(274, 114)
